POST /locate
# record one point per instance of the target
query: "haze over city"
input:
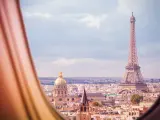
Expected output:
(83, 38)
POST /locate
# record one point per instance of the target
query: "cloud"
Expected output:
(73, 67)
(93, 21)
(37, 14)
(89, 20)
(64, 62)
(69, 6)
(139, 7)
(81, 34)
(93, 67)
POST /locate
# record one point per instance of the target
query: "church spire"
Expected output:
(84, 107)
(84, 99)
(84, 112)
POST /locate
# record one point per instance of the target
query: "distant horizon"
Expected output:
(98, 77)
(91, 80)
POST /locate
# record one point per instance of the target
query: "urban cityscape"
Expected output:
(103, 98)
(79, 60)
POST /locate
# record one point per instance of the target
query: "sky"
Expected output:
(90, 38)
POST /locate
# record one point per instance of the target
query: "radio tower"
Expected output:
(133, 78)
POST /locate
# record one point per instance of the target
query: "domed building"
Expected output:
(60, 96)
(60, 92)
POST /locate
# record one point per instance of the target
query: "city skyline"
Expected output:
(96, 36)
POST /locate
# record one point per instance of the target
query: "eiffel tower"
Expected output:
(133, 78)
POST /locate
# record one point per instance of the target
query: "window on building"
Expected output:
(60, 99)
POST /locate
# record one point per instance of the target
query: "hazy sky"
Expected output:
(91, 37)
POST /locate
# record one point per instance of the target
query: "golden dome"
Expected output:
(60, 80)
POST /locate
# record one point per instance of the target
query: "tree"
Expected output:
(96, 104)
(136, 99)
(107, 119)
